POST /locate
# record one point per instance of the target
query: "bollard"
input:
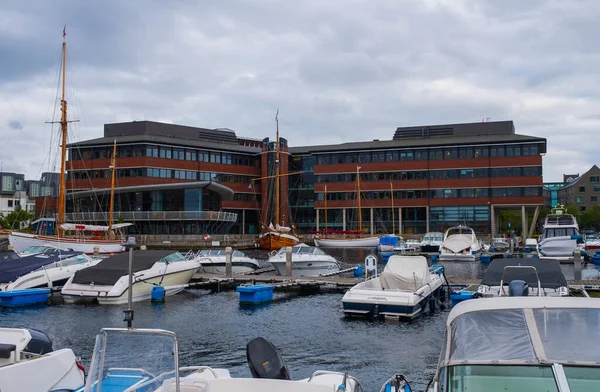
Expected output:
(96, 251)
(288, 261)
(512, 246)
(143, 247)
(228, 262)
(10, 247)
(577, 264)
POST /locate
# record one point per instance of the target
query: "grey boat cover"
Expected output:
(405, 273)
(12, 266)
(110, 270)
(458, 242)
(548, 270)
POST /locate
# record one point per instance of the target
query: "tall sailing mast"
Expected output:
(62, 189)
(359, 205)
(277, 170)
(392, 196)
(325, 200)
(112, 186)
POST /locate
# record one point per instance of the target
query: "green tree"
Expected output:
(13, 219)
(590, 218)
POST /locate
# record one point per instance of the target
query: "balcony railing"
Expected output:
(132, 216)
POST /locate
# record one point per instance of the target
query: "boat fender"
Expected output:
(358, 271)
(398, 383)
(157, 294)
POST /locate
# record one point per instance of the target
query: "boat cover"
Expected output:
(405, 273)
(110, 270)
(548, 270)
(12, 266)
(458, 242)
(389, 240)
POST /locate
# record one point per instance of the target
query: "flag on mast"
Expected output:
(65, 31)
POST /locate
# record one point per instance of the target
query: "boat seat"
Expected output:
(7, 349)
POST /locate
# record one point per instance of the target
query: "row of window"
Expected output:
(440, 153)
(166, 153)
(594, 178)
(435, 193)
(435, 174)
(593, 199)
(161, 173)
(596, 189)
(454, 215)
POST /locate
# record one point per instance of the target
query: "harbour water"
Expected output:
(310, 331)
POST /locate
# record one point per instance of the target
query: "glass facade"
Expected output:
(478, 218)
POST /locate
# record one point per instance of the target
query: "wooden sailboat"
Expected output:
(360, 241)
(275, 237)
(85, 238)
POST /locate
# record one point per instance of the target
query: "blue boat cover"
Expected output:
(389, 240)
(12, 266)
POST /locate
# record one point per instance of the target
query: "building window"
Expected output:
(406, 156)
(582, 208)
(364, 157)
(450, 153)
(8, 183)
(594, 199)
(165, 152)
(481, 152)
(594, 178)
(579, 199)
(436, 154)
(581, 189)
(150, 152)
(10, 203)
(420, 155)
(513, 151)
(596, 188)
(466, 152)
(497, 151)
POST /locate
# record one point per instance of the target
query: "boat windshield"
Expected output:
(82, 258)
(173, 257)
(220, 252)
(501, 378)
(38, 249)
(117, 363)
(560, 232)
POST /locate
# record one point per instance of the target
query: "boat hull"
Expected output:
(21, 241)
(273, 240)
(557, 246)
(51, 276)
(237, 267)
(430, 248)
(172, 282)
(307, 267)
(460, 256)
(370, 242)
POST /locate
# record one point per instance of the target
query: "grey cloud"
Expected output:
(15, 125)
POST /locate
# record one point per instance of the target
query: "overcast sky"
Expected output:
(339, 70)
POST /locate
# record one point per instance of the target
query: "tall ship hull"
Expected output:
(369, 242)
(273, 240)
(21, 241)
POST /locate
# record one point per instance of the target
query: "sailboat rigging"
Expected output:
(280, 235)
(360, 241)
(79, 242)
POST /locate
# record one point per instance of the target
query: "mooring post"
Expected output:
(228, 262)
(512, 246)
(288, 261)
(577, 264)
(96, 251)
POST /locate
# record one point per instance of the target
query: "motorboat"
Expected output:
(306, 261)
(387, 243)
(431, 242)
(117, 366)
(560, 236)
(212, 261)
(402, 290)
(13, 266)
(53, 274)
(460, 244)
(358, 242)
(108, 281)
(592, 243)
(408, 246)
(500, 244)
(514, 344)
(529, 276)
(28, 363)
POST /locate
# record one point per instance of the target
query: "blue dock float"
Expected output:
(460, 296)
(386, 256)
(27, 297)
(255, 294)
(596, 258)
(486, 259)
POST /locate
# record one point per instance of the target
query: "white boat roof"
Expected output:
(498, 303)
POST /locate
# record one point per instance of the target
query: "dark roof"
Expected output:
(108, 271)
(429, 142)
(223, 190)
(464, 129)
(166, 140)
(576, 180)
(548, 271)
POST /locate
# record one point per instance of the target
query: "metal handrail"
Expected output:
(153, 215)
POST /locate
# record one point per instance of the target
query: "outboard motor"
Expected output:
(265, 361)
(518, 288)
(40, 343)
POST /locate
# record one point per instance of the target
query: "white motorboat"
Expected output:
(534, 277)
(500, 244)
(408, 246)
(117, 366)
(431, 242)
(54, 274)
(560, 236)
(387, 243)
(28, 363)
(592, 243)
(514, 344)
(460, 244)
(306, 261)
(108, 281)
(402, 290)
(212, 261)
(359, 242)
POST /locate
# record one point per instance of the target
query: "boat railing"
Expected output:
(520, 267)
